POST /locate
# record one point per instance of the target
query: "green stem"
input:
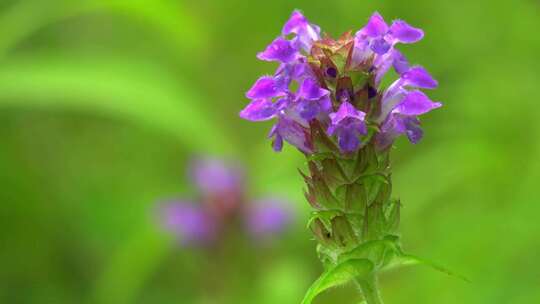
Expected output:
(370, 290)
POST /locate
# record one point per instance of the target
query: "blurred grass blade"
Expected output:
(23, 18)
(113, 87)
(176, 25)
(169, 18)
(129, 267)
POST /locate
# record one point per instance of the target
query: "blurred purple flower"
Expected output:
(267, 217)
(212, 176)
(189, 221)
(221, 201)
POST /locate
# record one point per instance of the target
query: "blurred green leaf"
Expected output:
(130, 267)
(174, 23)
(23, 18)
(340, 274)
(113, 87)
(169, 18)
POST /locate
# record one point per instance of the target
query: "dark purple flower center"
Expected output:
(331, 72)
(372, 92)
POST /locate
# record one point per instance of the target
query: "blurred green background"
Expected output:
(103, 103)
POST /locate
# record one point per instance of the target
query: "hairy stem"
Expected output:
(370, 290)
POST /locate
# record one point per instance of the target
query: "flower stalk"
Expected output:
(370, 290)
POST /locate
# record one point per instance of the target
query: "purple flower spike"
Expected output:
(404, 33)
(348, 124)
(418, 77)
(337, 111)
(306, 33)
(191, 223)
(264, 87)
(416, 103)
(214, 178)
(279, 50)
(267, 217)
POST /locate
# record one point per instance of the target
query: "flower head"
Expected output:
(337, 84)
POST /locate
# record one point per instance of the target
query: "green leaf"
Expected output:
(375, 251)
(338, 275)
(407, 259)
(113, 87)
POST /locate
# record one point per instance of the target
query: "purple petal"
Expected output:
(395, 125)
(389, 132)
(375, 27)
(190, 222)
(393, 95)
(405, 33)
(380, 46)
(325, 104)
(295, 22)
(346, 110)
(302, 70)
(400, 63)
(361, 51)
(264, 87)
(306, 32)
(259, 110)
(418, 77)
(348, 124)
(292, 132)
(382, 64)
(348, 140)
(413, 130)
(384, 140)
(311, 90)
(284, 76)
(308, 109)
(214, 177)
(279, 50)
(267, 217)
(416, 103)
(296, 70)
(277, 144)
